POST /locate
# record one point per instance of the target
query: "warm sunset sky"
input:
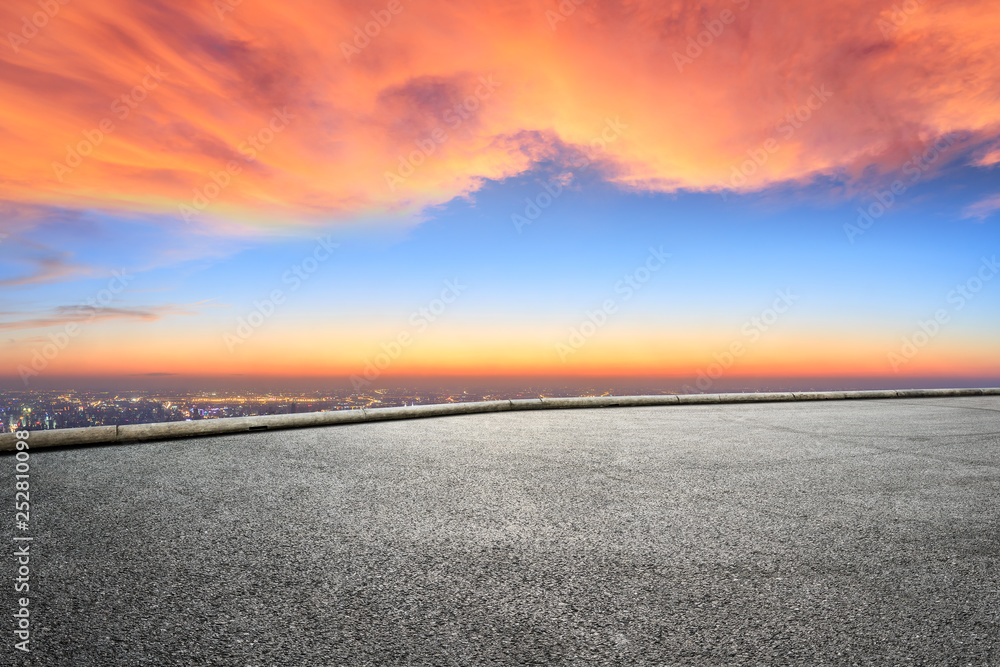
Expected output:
(316, 189)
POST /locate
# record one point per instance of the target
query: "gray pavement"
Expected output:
(808, 533)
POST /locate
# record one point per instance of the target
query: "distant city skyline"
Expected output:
(711, 194)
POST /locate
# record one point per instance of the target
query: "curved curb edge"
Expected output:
(99, 435)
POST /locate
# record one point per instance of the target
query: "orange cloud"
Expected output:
(82, 314)
(990, 157)
(290, 113)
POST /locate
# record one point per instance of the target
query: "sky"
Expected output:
(365, 192)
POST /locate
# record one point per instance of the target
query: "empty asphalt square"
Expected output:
(806, 533)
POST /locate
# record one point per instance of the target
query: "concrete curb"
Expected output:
(99, 435)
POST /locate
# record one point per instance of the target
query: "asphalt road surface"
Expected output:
(812, 533)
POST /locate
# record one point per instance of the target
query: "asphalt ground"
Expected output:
(806, 533)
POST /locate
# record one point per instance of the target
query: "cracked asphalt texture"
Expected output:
(808, 533)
